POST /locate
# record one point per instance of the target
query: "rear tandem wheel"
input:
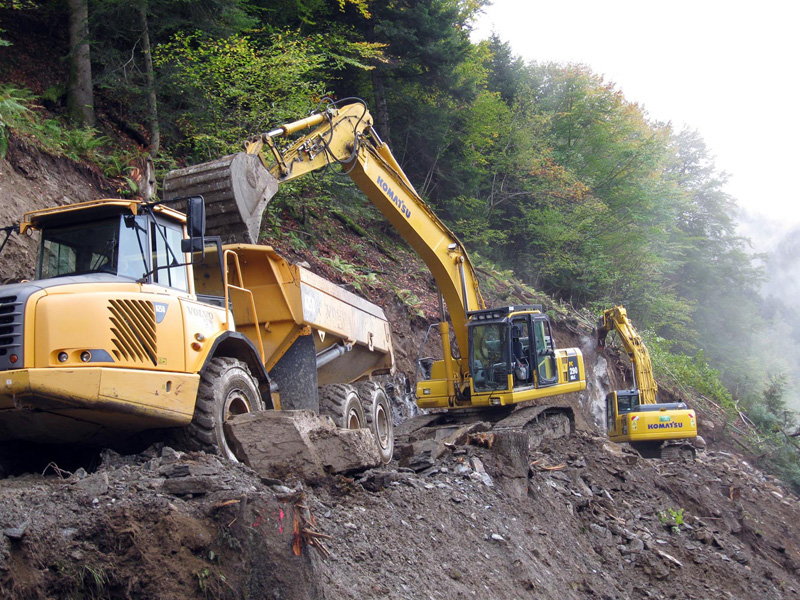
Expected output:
(378, 413)
(340, 402)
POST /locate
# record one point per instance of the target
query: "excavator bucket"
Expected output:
(237, 189)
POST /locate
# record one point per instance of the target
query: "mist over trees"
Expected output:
(545, 169)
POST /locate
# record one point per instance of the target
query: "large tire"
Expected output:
(378, 413)
(226, 389)
(340, 402)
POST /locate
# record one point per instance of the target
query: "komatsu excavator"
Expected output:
(634, 415)
(501, 357)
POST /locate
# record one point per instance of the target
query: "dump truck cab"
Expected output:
(99, 343)
(109, 237)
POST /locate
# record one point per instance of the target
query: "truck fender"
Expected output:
(236, 345)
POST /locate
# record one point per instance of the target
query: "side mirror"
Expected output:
(195, 225)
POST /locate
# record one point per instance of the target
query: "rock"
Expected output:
(169, 455)
(375, 480)
(299, 444)
(495, 537)
(420, 455)
(193, 485)
(94, 485)
(18, 532)
(634, 547)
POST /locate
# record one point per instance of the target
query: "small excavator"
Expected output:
(653, 429)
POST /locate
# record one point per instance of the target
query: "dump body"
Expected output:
(305, 321)
(116, 339)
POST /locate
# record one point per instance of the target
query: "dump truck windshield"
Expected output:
(120, 245)
(78, 249)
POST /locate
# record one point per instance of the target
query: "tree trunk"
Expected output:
(381, 109)
(80, 100)
(153, 126)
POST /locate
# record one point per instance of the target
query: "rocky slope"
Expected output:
(581, 518)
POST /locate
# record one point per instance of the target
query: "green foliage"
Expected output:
(689, 373)
(671, 519)
(75, 143)
(358, 277)
(411, 301)
(233, 87)
(14, 112)
(93, 581)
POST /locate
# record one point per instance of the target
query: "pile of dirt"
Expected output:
(587, 520)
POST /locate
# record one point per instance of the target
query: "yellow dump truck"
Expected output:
(136, 320)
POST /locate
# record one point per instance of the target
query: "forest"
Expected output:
(545, 171)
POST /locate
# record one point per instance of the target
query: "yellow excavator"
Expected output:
(501, 357)
(653, 429)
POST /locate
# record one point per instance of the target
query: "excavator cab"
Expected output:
(619, 404)
(511, 351)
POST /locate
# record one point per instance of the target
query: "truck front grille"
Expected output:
(10, 332)
(133, 325)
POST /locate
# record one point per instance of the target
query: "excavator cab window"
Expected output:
(546, 372)
(489, 362)
(627, 401)
(521, 352)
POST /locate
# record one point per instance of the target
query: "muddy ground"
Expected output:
(583, 519)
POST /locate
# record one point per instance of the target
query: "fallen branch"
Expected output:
(304, 533)
(546, 468)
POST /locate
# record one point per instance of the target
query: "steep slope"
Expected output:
(581, 519)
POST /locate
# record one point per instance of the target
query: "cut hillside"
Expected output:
(581, 518)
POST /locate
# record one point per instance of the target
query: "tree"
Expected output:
(153, 126)
(80, 96)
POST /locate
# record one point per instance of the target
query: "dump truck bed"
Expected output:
(290, 301)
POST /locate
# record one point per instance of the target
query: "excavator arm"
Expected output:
(513, 360)
(616, 319)
(345, 136)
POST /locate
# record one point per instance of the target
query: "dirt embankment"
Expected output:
(586, 519)
(32, 180)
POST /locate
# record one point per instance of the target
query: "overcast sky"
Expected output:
(728, 69)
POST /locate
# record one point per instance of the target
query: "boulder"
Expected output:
(298, 444)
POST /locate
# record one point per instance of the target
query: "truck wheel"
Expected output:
(340, 402)
(378, 413)
(226, 389)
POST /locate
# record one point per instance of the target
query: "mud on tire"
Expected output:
(378, 415)
(226, 389)
(340, 402)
